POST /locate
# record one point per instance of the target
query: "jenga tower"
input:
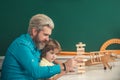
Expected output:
(80, 48)
(81, 60)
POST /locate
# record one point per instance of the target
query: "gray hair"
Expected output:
(38, 21)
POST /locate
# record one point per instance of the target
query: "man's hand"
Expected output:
(70, 64)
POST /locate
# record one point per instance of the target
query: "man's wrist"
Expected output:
(64, 66)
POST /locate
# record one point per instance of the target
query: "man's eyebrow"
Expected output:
(45, 33)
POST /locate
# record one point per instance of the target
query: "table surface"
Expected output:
(96, 72)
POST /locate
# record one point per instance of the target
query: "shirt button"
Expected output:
(32, 60)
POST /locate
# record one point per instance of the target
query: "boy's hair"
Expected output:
(51, 45)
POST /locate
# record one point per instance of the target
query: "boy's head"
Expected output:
(52, 48)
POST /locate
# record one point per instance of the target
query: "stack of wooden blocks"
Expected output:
(81, 60)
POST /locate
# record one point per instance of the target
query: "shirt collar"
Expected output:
(31, 40)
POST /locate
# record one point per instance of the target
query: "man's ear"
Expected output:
(34, 31)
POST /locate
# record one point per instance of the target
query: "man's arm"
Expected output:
(57, 76)
(30, 63)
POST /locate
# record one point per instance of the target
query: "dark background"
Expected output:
(89, 21)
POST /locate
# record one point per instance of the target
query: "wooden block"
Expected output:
(81, 68)
(81, 64)
(81, 71)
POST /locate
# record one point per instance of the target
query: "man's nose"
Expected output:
(47, 38)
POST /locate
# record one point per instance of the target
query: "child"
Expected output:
(49, 54)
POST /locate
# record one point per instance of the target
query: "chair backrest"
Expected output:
(109, 42)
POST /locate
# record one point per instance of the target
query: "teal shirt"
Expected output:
(22, 61)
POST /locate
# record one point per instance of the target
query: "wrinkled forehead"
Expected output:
(47, 30)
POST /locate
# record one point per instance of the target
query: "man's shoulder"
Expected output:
(24, 39)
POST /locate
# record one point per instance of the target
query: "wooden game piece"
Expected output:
(81, 60)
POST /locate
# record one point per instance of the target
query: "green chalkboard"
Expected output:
(89, 21)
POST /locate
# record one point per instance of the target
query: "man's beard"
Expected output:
(40, 45)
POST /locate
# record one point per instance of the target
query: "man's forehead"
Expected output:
(47, 30)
